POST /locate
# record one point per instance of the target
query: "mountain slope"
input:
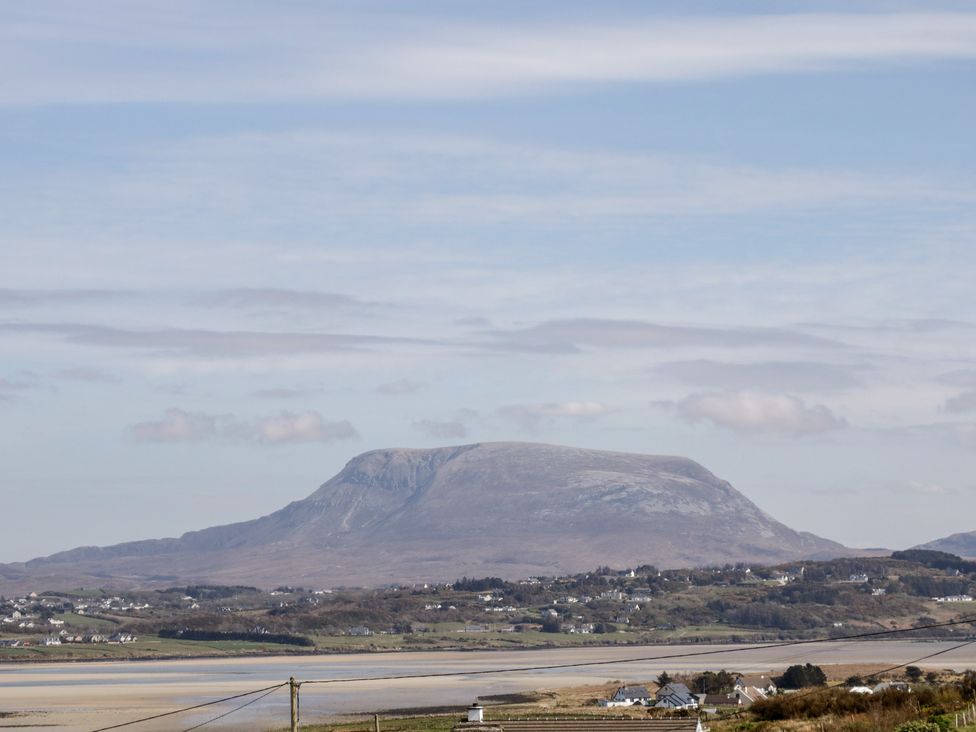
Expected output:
(507, 509)
(962, 544)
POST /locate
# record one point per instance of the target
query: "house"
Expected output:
(359, 630)
(861, 690)
(754, 688)
(594, 724)
(712, 703)
(51, 640)
(675, 696)
(121, 638)
(896, 685)
(627, 696)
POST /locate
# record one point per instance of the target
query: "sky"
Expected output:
(243, 242)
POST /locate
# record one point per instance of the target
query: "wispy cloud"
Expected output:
(572, 335)
(284, 393)
(965, 402)
(281, 299)
(962, 434)
(43, 297)
(209, 343)
(529, 416)
(400, 387)
(441, 429)
(774, 376)
(749, 411)
(89, 374)
(178, 425)
(314, 52)
(300, 427)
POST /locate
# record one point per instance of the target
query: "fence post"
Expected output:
(293, 688)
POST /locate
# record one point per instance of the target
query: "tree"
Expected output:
(799, 677)
(663, 679)
(551, 625)
(913, 673)
(854, 680)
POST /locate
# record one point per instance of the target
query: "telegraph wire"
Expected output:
(556, 666)
(235, 709)
(664, 657)
(190, 709)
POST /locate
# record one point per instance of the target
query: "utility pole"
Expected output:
(376, 723)
(293, 688)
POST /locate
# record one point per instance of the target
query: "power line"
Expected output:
(665, 657)
(483, 672)
(189, 709)
(877, 674)
(235, 709)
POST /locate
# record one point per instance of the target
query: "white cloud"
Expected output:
(113, 52)
(530, 415)
(749, 411)
(301, 427)
(177, 425)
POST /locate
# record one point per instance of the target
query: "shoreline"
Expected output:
(250, 655)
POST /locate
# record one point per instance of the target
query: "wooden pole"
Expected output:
(293, 688)
(376, 723)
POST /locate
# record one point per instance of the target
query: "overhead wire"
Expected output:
(190, 709)
(265, 691)
(235, 709)
(663, 657)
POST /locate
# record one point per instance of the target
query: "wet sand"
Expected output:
(80, 697)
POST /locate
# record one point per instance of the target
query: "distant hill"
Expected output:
(962, 544)
(503, 509)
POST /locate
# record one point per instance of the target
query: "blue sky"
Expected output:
(244, 242)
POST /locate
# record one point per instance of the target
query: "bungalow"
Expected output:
(675, 696)
(51, 640)
(593, 724)
(627, 696)
(896, 685)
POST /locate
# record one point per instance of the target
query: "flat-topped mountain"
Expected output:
(503, 509)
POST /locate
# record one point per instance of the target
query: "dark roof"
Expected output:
(597, 725)
(632, 692)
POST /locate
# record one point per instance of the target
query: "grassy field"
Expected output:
(149, 647)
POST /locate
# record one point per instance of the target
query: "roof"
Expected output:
(673, 688)
(596, 724)
(632, 692)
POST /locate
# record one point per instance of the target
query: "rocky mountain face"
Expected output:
(503, 509)
(962, 544)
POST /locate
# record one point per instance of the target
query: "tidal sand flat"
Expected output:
(85, 696)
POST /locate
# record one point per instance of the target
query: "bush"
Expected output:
(799, 677)
(918, 726)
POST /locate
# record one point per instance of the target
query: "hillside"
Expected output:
(504, 509)
(962, 544)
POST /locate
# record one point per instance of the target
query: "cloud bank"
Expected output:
(178, 425)
(748, 411)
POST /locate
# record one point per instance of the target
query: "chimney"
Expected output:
(476, 713)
